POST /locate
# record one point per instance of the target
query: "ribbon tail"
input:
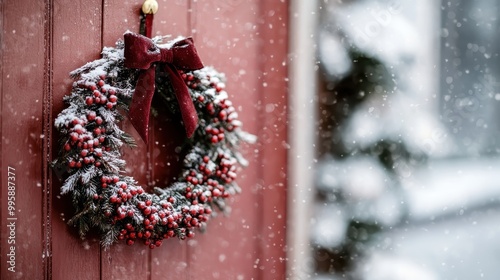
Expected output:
(140, 106)
(188, 111)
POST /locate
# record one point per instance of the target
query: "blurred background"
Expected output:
(407, 180)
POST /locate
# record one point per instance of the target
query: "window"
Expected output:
(408, 183)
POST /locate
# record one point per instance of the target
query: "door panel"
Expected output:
(42, 43)
(70, 46)
(23, 61)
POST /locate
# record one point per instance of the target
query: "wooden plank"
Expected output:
(273, 30)
(122, 261)
(72, 46)
(171, 258)
(22, 105)
(227, 36)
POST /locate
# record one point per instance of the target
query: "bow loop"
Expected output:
(142, 53)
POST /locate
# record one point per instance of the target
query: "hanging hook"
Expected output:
(150, 7)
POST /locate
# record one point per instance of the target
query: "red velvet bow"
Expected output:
(142, 53)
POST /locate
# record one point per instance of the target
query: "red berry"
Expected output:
(97, 131)
(100, 83)
(84, 153)
(194, 222)
(89, 100)
(73, 136)
(216, 192)
(78, 129)
(130, 242)
(72, 164)
(98, 120)
(104, 100)
(112, 98)
(67, 147)
(121, 215)
(109, 105)
(201, 98)
(214, 139)
(222, 115)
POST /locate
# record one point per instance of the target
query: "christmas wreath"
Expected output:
(122, 83)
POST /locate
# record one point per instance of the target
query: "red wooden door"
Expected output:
(41, 41)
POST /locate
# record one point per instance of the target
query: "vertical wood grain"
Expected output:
(22, 105)
(72, 47)
(46, 143)
(273, 136)
(248, 41)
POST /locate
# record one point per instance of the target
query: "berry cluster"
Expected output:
(87, 131)
(219, 111)
(108, 200)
